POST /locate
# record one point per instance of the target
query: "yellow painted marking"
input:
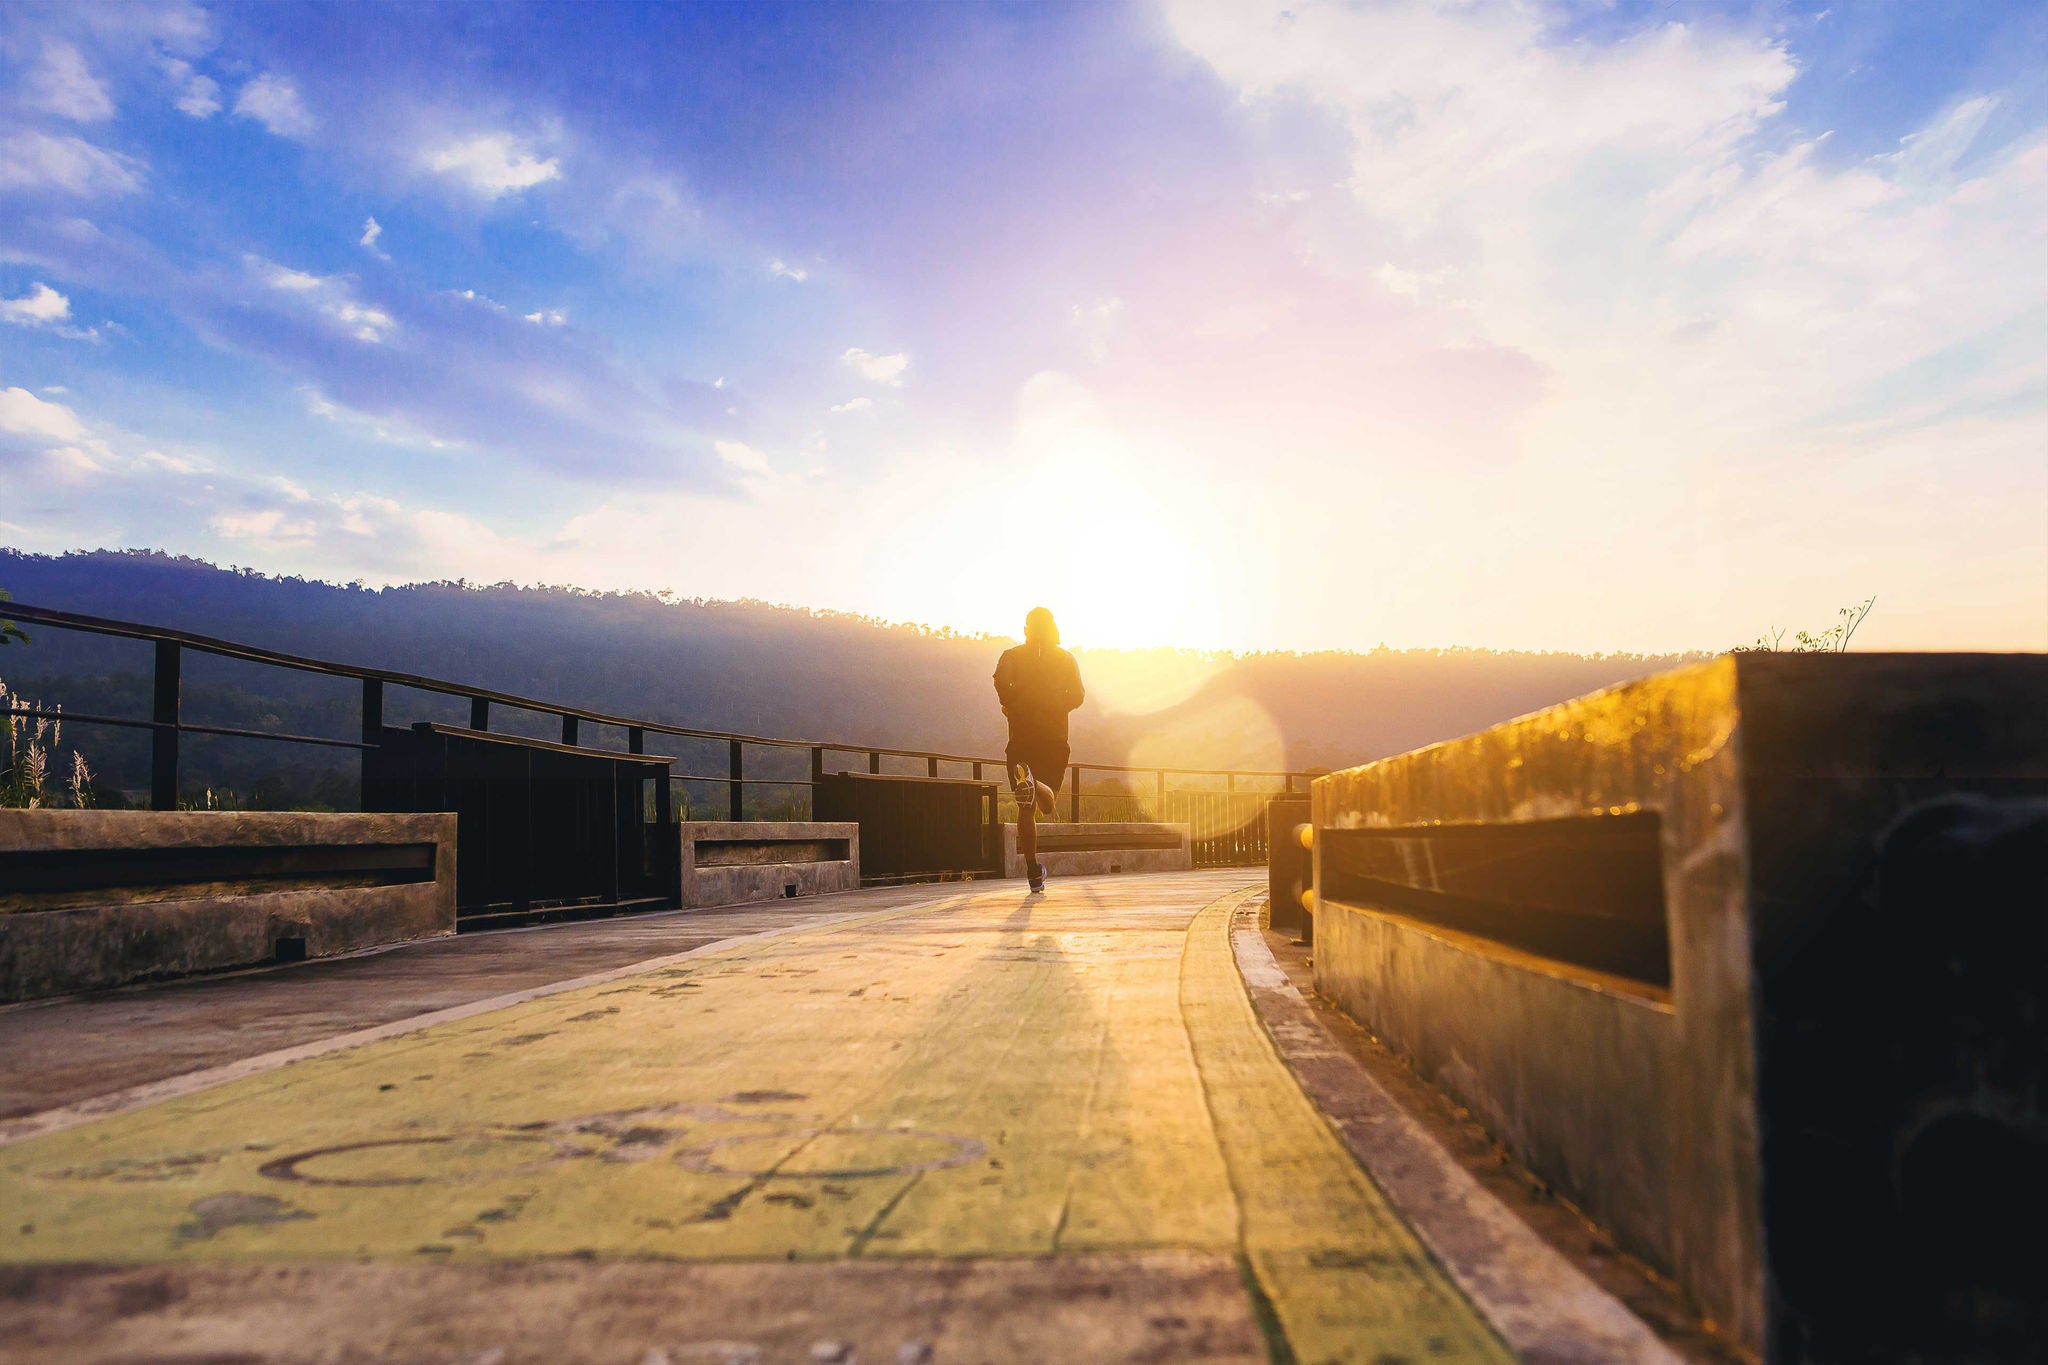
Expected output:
(1346, 1278)
(995, 1076)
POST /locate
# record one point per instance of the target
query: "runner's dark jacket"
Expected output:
(1038, 685)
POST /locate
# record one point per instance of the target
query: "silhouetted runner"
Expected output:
(1038, 684)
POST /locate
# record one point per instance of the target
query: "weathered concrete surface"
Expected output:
(60, 1052)
(1773, 780)
(1149, 1308)
(110, 923)
(1094, 850)
(734, 862)
(1075, 1079)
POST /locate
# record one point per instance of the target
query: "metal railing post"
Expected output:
(1074, 802)
(568, 729)
(1161, 808)
(636, 740)
(931, 767)
(373, 710)
(479, 713)
(734, 805)
(163, 746)
(874, 762)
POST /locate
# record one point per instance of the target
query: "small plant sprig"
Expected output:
(9, 632)
(1831, 641)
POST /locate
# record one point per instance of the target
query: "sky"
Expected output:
(1612, 326)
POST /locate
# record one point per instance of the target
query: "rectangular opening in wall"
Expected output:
(768, 852)
(1586, 891)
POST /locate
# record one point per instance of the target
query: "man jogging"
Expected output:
(1038, 683)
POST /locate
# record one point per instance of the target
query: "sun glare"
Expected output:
(1110, 548)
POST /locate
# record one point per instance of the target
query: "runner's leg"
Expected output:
(1025, 788)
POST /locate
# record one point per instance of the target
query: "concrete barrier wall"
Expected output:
(1083, 850)
(732, 862)
(92, 899)
(1651, 1050)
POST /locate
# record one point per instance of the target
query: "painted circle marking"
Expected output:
(289, 1167)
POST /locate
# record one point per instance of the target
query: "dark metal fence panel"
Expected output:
(915, 827)
(540, 828)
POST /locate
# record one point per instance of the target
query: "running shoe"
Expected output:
(1037, 877)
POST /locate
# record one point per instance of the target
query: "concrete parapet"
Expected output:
(92, 899)
(1658, 940)
(1070, 850)
(730, 862)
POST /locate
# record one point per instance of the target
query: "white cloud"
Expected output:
(391, 430)
(372, 230)
(266, 524)
(40, 306)
(62, 84)
(494, 164)
(547, 317)
(860, 404)
(198, 96)
(882, 369)
(782, 270)
(1727, 328)
(52, 435)
(24, 414)
(742, 457)
(331, 296)
(44, 307)
(69, 165)
(273, 101)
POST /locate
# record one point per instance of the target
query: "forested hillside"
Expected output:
(744, 666)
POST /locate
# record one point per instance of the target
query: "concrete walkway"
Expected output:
(939, 1124)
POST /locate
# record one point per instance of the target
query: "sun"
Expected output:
(1112, 563)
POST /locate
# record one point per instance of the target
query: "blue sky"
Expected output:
(1629, 325)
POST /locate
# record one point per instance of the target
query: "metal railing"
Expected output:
(1230, 827)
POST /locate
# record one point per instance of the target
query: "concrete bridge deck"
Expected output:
(931, 1124)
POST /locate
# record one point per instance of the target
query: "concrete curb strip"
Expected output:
(1542, 1306)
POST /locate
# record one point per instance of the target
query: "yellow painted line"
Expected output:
(995, 1076)
(1346, 1277)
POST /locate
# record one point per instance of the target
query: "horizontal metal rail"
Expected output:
(189, 727)
(167, 724)
(229, 649)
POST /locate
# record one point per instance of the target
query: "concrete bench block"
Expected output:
(93, 899)
(1746, 960)
(732, 862)
(1070, 850)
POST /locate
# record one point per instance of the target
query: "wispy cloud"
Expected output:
(273, 101)
(66, 165)
(783, 270)
(62, 84)
(494, 164)
(882, 369)
(332, 297)
(372, 230)
(859, 404)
